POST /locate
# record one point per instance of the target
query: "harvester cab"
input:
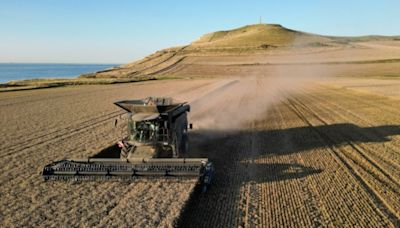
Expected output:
(157, 128)
(156, 144)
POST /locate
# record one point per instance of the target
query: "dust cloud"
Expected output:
(249, 97)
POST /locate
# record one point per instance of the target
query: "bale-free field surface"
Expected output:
(326, 154)
(41, 126)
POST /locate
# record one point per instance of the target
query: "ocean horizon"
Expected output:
(23, 71)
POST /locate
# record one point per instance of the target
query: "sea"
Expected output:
(21, 71)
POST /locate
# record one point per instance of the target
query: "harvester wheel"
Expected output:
(124, 153)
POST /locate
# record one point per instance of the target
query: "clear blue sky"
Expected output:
(119, 31)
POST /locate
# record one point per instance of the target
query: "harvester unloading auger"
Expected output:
(156, 146)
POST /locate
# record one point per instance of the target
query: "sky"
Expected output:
(121, 31)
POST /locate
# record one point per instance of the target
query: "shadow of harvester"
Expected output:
(236, 156)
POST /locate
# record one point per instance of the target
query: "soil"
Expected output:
(291, 147)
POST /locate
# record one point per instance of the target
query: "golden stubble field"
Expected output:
(45, 125)
(292, 146)
(327, 154)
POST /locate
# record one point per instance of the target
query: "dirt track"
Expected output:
(321, 155)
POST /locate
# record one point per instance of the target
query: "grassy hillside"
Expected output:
(258, 35)
(245, 40)
(250, 40)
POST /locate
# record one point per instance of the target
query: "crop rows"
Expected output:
(377, 171)
(311, 161)
(321, 157)
(52, 135)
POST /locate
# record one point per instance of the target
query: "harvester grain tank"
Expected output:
(156, 145)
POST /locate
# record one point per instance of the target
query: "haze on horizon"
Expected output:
(92, 31)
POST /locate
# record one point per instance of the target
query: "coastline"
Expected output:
(44, 83)
(37, 75)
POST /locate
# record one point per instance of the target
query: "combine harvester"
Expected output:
(156, 146)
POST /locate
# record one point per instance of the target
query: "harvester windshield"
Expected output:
(142, 131)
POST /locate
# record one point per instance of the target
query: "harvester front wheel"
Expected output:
(125, 151)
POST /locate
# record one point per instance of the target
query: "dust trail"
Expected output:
(252, 95)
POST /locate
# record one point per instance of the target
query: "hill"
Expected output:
(249, 45)
(257, 36)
